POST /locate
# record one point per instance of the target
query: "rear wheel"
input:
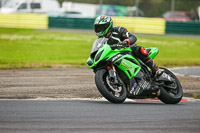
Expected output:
(113, 93)
(171, 93)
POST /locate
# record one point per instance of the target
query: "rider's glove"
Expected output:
(118, 46)
(125, 43)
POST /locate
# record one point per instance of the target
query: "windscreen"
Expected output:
(98, 43)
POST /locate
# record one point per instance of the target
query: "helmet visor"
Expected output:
(100, 27)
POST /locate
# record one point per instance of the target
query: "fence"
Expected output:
(72, 23)
(183, 27)
(133, 24)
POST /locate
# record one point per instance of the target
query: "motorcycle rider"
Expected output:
(120, 37)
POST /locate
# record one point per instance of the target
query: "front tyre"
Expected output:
(171, 94)
(111, 93)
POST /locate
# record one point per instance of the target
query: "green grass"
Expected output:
(21, 48)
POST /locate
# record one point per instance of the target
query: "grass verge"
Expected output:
(22, 48)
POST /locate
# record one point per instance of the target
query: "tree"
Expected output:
(61, 2)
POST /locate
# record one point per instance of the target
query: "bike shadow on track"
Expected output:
(136, 103)
(128, 102)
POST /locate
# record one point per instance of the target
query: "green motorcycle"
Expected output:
(120, 75)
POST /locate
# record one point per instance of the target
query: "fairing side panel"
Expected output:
(127, 66)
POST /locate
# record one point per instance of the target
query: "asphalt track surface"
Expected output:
(92, 116)
(98, 116)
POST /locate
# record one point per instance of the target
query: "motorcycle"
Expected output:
(120, 75)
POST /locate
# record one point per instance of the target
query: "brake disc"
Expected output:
(113, 87)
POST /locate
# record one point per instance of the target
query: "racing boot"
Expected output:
(152, 65)
(158, 73)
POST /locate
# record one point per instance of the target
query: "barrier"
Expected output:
(133, 24)
(72, 23)
(141, 25)
(183, 27)
(30, 21)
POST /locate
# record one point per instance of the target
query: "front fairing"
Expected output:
(97, 44)
(103, 53)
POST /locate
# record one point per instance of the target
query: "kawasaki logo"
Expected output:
(116, 57)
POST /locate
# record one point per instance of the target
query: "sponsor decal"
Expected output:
(135, 85)
(116, 57)
(133, 88)
(126, 64)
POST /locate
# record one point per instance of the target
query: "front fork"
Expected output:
(113, 75)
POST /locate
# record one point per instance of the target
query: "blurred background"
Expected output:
(171, 10)
(84, 12)
(33, 29)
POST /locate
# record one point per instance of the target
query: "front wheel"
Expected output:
(113, 93)
(171, 93)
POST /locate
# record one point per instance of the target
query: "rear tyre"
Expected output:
(107, 90)
(169, 95)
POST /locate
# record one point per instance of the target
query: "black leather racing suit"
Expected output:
(119, 34)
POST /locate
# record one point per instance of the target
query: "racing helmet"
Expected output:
(103, 25)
